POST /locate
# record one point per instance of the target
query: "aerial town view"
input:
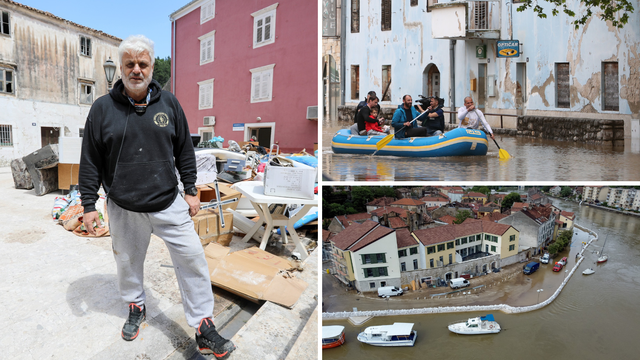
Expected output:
(482, 271)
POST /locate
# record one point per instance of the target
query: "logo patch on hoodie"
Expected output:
(161, 119)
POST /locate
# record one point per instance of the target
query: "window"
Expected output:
(206, 47)
(610, 94)
(403, 267)
(441, 261)
(512, 238)
(512, 247)
(463, 240)
(386, 15)
(5, 28)
(415, 264)
(383, 283)
(414, 3)
(458, 242)
(6, 81)
(431, 249)
(86, 93)
(205, 94)
(402, 252)
(386, 82)
(375, 272)
(355, 16)
(262, 83)
(487, 237)
(450, 245)
(562, 85)
(85, 46)
(440, 247)
(430, 3)
(355, 82)
(373, 258)
(413, 251)
(431, 262)
(6, 137)
(372, 285)
(479, 237)
(450, 258)
(493, 248)
(207, 11)
(264, 26)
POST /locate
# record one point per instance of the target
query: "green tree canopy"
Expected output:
(162, 70)
(463, 215)
(382, 191)
(508, 200)
(361, 195)
(616, 11)
(566, 191)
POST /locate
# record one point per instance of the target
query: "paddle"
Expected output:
(503, 154)
(387, 139)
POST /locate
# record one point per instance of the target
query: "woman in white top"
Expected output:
(469, 117)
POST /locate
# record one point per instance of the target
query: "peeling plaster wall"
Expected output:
(45, 57)
(544, 42)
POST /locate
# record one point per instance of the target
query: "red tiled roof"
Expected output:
(351, 234)
(451, 232)
(494, 216)
(447, 218)
(396, 223)
(388, 209)
(377, 234)
(433, 198)
(433, 208)
(568, 215)
(536, 196)
(383, 201)
(346, 219)
(326, 235)
(404, 238)
(408, 202)
(475, 194)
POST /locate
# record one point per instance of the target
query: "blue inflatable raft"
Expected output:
(457, 142)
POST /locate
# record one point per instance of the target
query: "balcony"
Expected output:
(462, 20)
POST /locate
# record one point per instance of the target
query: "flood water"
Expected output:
(532, 160)
(594, 317)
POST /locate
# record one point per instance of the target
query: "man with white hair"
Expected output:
(134, 138)
(471, 118)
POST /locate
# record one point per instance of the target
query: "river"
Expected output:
(594, 317)
(532, 160)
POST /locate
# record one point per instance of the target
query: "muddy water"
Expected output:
(595, 316)
(533, 160)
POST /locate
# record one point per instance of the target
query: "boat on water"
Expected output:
(398, 334)
(332, 336)
(603, 257)
(588, 271)
(457, 142)
(475, 326)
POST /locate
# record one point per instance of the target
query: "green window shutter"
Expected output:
(364, 259)
(384, 258)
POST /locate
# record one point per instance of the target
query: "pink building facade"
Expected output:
(244, 69)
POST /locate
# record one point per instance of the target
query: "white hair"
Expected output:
(136, 44)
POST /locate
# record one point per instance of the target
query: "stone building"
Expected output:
(51, 71)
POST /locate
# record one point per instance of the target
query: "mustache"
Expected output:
(132, 75)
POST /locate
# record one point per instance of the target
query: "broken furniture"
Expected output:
(254, 191)
(42, 166)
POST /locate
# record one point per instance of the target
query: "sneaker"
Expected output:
(210, 342)
(131, 328)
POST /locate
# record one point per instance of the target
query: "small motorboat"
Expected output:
(398, 334)
(588, 271)
(332, 336)
(457, 142)
(603, 258)
(475, 326)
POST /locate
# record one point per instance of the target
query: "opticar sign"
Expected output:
(508, 48)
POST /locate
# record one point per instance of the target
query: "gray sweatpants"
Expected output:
(131, 233)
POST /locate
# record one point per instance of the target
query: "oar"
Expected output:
(503, 154)
(387, 139)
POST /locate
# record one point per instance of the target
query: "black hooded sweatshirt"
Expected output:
(137, 173)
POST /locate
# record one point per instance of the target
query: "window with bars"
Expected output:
(414, 3)
(85, 46)
(5, 27)
(480, 15)
(207, 11)
(86, 93)
(355, 16)
(386, 82)
(264, 26)
(6, 137)
(6, 81)
(205, 94)
(562, 85)
(262, 83)
(386, 15)
(207, 42)
(355, 82)
(610, 91)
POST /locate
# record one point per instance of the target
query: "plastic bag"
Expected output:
(233, 146)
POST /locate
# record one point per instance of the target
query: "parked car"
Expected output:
(558, 266)
(563, 261)
(545, 258)
(530, 268)
(389, 291)
(458, 283)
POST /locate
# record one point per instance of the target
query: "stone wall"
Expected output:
(595, 131)
(467, 267)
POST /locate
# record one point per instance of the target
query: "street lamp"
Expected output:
(109, 71)
(539, 291)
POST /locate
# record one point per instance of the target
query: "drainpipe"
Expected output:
(452, 86)
(173, 58)
(343, 65)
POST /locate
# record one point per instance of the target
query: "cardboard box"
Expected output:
(207, 192)
(67, 175)
(254, 274)
(207, 225)
(292, 182)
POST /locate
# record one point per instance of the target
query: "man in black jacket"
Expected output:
(134, 139)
